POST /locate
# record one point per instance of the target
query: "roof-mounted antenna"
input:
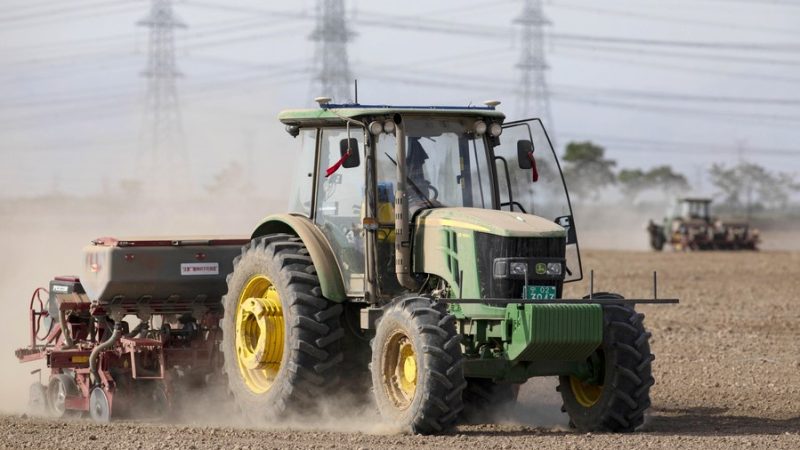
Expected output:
(491, 103)
(322, 101)
(356, 85)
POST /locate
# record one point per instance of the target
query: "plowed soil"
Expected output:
(727, 375)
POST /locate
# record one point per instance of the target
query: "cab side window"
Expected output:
(338, 205)
(303, 183)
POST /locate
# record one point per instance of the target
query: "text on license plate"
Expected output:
(539, 292)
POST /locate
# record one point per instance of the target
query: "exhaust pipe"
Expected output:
(402, 243)
(94, 357)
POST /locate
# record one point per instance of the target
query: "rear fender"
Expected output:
(330, 277)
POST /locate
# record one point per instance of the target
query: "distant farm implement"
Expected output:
(690, 226)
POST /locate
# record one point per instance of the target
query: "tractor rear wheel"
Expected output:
(281, 337)
(617, 394)
(417, 372)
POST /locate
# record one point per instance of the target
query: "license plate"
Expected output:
(539, 292)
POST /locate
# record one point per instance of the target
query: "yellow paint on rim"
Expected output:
(400, 369)
(408, 367)
(259, 334)
(587, 395)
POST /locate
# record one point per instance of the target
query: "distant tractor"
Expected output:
(422, 262)
(690, 226)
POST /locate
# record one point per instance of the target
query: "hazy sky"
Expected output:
(690, 83)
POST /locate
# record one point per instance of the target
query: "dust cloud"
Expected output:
(44, 237)
(538, 405)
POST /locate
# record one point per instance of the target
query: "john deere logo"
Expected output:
(541, 268)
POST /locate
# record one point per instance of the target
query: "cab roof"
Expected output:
(333, 113)
(694, 200)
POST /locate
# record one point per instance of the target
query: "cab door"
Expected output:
(530, 181)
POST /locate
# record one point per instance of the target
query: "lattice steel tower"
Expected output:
(533, 63)
(331, 34)
(162, 130)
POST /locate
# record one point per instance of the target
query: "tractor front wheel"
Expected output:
(417, 372)
(616, 395)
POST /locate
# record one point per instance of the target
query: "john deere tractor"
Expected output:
(422, 262)
(443, 236)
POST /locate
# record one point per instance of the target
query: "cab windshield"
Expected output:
(446, 163)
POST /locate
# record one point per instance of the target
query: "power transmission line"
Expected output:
(792, 48)
(585, 54)
(615, 92)
(17, 22)
(331, 35)
(671, 19)
(753, 118)
(162, 133)
(680, 97)
(707, 57)
(533, 62)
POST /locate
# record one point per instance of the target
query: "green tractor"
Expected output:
(425, 255)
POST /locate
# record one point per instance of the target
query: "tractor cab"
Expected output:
(386, 184)
(692, 209)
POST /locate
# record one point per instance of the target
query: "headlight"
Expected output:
(480, 127)
(554, 268)
(375, 128)
(519, 268)
(388, 126)
(495, 129)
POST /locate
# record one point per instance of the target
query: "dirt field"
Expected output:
(727, 369)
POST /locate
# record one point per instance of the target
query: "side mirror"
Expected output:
(524, 149)
(354, 160)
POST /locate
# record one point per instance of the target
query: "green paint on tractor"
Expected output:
(553, 332)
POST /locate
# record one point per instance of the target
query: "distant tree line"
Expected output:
(743, 187)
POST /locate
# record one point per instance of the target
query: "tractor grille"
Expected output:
(490, 247)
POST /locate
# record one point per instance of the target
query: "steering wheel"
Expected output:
(435, 192)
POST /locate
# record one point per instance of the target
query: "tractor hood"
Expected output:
(499, 223)
(461, 246)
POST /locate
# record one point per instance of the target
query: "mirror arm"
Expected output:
(508, 180)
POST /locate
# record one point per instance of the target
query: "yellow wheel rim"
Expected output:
(259, 334)
(400, 370)
(587, 395)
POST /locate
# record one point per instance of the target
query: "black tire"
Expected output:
(657, 239)
(624, 394)
(435, 403)
(486, 401)
(657, 242)
(311, 352)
